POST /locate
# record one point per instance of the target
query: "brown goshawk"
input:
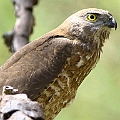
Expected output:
(51, 68)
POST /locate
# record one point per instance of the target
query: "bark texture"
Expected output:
(18, 106)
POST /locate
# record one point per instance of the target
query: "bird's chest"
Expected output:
(63, 89)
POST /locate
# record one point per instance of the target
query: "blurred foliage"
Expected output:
(98, 98)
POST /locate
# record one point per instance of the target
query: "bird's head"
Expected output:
(90, 25)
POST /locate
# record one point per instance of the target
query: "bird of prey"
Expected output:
(51, 68)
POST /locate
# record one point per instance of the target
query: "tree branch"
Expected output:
(19, 36)
(18, 106)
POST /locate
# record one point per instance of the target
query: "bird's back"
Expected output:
(35, 65)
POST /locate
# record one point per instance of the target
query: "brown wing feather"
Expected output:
(35, 66)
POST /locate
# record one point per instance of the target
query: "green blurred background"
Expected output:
(98, 97)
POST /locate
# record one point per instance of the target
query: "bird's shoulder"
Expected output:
(49, 41)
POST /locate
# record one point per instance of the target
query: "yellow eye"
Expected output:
(92, 17)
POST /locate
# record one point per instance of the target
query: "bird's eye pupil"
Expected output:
(92, 16)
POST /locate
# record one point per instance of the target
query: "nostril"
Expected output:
(110, 18)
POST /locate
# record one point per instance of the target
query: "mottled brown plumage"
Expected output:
(51, 68)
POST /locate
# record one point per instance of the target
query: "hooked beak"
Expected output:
(112, 23)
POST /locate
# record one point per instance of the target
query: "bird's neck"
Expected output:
(93, 40)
